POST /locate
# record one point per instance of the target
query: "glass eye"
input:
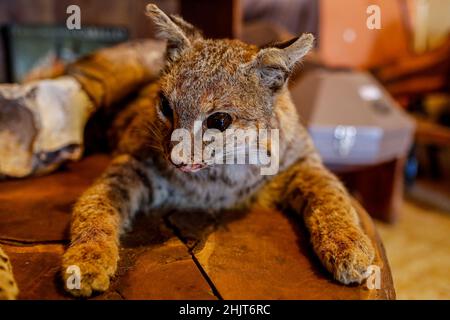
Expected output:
(165, 107)
(219, 120)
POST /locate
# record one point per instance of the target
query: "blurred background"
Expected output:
(374, 95)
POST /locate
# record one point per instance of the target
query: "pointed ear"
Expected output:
(275, 63)
(178, 33)
(191, 32)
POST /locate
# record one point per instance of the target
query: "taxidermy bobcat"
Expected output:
(223, 84)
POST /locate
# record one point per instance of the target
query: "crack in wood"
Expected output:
(190, 249)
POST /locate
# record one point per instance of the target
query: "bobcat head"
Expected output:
(222, 85)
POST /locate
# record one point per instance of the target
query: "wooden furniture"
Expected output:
(258, 255)
(417, 75)
(412, 80)
(360, 132)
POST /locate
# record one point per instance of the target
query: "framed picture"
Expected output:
(29, 48)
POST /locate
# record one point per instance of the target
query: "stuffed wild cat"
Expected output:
(223, 85)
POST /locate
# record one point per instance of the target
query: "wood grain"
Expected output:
(262, 254)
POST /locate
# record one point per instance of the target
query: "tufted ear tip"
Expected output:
(299, 48)
(306, 42)
(307, 39)
(151, 9)
(168, 29)
(157, 16)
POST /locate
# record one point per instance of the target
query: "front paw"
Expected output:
(348, 255)
(87, 267)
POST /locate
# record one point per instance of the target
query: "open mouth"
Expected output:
(191, 167)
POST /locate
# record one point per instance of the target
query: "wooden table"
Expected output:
(257, 255)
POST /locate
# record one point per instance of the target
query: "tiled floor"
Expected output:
(418, 249)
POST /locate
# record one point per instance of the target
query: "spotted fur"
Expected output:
(201, 77)
(8, 287)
